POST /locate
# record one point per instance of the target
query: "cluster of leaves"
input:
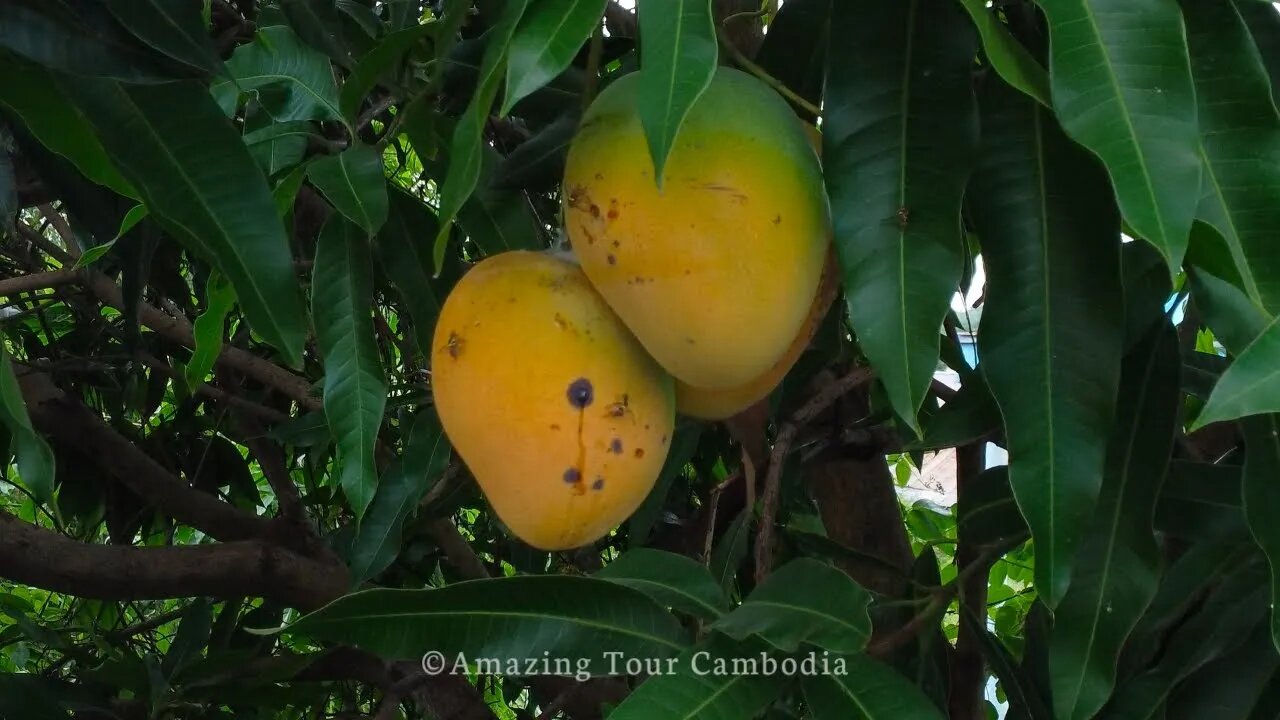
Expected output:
(229, 225)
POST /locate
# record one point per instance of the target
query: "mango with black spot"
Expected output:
(715, 270)
(553, 405)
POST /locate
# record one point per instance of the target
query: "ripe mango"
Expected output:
(722, 403)
(555, 407)
(715, 271)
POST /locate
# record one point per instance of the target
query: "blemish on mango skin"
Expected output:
(572, 475)
(580, 393)
(454, 344)
(615, 446)
(612, 260)
(598, 484)
(639, 453)
(555, 426)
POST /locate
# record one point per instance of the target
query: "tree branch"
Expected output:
(179, 330)
(36, 281)
(786, 436)
(44, 559)
(55, 413)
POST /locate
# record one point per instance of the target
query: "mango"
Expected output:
(715, 271)
(554, 406)
(723, 403)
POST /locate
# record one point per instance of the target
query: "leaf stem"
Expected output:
(750, 66)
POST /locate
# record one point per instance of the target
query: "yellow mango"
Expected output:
(554, 406)
(722, 403)
(715, 271)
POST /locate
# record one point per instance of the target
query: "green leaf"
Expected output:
(549, 37)
(278, 145)
(672, 580)
(538, 163)
(1050, 236)
(1262, 497)
(1230, 687)
(1025, 700)
(1229, 616)
(701, 684)
(867, 691)
(352, 180)
(684, 443)
(1240, 142)
(172, 27)
(136, 214)
(377, 61)
(31, 92)
(191, 638)
(404, 255)
(1250, 386)
(36, 466)
(82, 40)
(677, 63)
(987, 512)
(286, 191)
(31, 696)
(8, 184)
(969, 416)
(1132, 103)
(316, 23)
(355, 386)
(378, 541)
(803, 602)
(531, 616)
(1118, 564)
(1015, 64)
(210, 327)
(278, 59)
(194, 175)
(1202, 500)
(1219, 293)
(466, 154)
(730, 549)
(1264, 26)
(899, 140)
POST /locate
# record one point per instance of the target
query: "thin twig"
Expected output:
(750, 66)
(941, 598)
(786, 436)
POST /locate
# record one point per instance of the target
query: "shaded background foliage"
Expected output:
(228, 227)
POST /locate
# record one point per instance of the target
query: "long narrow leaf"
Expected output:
(899, 142)
(1050, 238)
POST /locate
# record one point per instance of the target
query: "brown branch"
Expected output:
(822, 400)
(57, 414)
(456, 548)
(36, 281)
(968, 677)
(44, 559)
(268, 414)
(179, 330)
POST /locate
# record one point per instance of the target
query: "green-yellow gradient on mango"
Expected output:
(716, 271)
(555, 407)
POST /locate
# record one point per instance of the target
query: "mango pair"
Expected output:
(557, 379)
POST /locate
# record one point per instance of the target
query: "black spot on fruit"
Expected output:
(580, 393)
(612, 260)
(615, 446)
(598, 484)
(639, 453)
(572, 476)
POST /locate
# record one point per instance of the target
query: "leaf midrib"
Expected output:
(265, 306)
(1133, 133)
